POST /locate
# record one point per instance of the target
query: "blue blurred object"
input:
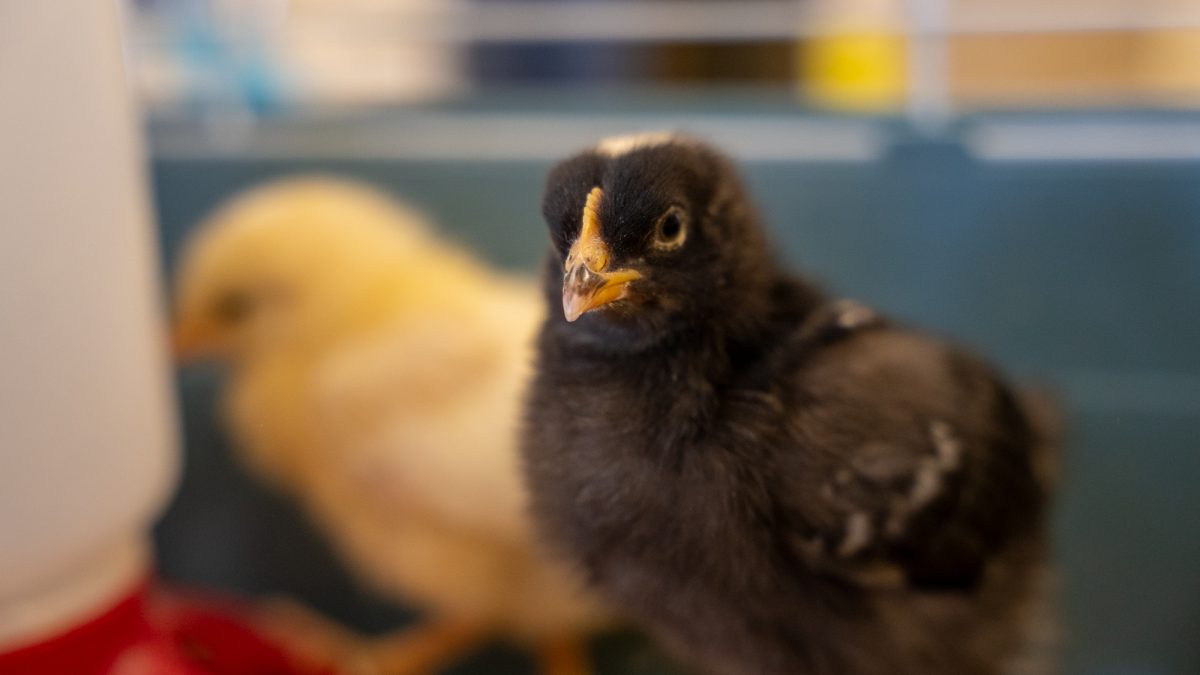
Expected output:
(1080, 268)
(227, 64)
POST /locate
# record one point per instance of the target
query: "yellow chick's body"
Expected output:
(377, 375)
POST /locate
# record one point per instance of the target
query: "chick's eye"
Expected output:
(671, 230)
(232, 307)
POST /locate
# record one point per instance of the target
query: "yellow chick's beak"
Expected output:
(587, 283)
(189, 344)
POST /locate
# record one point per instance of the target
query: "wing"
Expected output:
(424, 415)
(907, 462)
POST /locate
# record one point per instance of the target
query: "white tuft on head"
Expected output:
(616, 146)
(851, 315)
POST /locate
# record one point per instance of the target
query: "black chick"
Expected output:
(772, 482)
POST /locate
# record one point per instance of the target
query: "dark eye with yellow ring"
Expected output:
(671, 229)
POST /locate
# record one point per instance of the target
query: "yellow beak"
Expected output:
(189, 344)
(587, 283)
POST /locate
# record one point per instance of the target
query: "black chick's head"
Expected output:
(651, 234)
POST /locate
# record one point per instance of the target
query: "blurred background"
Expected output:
(1023, 175)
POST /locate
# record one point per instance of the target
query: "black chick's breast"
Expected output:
(698, 483)
(626, 482)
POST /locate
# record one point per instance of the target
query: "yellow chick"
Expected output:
(377, 375)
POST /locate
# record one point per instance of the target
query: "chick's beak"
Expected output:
(189, 344)
(587, 281)
(585, 289)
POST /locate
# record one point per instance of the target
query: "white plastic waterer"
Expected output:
(88, 450)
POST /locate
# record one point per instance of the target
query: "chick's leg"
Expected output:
(564, 655)
(424, 648)
(312, 641)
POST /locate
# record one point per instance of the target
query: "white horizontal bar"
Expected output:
(513, 136)
(517, 136)
(1075, 141)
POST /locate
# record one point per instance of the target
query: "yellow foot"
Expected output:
(425, 648)
(564, 656)
(312, 640)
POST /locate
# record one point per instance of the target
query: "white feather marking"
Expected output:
(948, 447)
(858, 534)
(928, 479)
(926, 485)
(619, 145)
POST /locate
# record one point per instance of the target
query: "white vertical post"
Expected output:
(929, 104)
(87, 440)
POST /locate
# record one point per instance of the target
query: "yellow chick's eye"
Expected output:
(232, 307)
(671, 229)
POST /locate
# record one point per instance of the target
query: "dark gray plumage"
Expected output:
(772, 482)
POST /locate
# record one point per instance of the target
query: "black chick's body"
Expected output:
(770, 481)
